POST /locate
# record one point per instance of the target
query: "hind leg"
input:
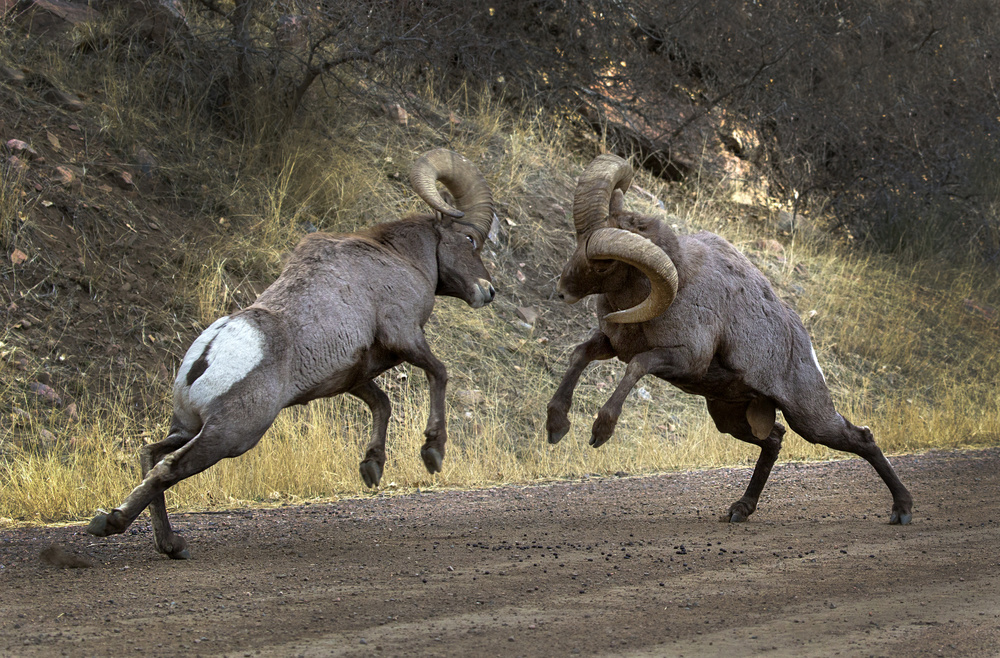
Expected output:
(731, 418)
(378, 402)
(820, 423)
(167, 541)
(197, 454)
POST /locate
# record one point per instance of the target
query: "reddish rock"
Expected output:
(64, 176)
(21, 148)
(397, 113)
(45, 393)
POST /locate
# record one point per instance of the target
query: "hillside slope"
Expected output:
(131, 221)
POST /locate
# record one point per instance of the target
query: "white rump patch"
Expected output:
(235, 347)
(816, 361)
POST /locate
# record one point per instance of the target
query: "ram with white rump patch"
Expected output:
(692, 310)
(345, 309)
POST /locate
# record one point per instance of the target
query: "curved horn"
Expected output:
(635, 250)
(602, 176)
(463, 180)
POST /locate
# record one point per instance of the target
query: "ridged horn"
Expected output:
(463, 180)
(641, 253)
(602, 176)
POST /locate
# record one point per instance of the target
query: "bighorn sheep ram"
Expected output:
(692, 310)
(345, 309)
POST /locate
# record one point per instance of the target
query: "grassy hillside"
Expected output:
(137, 218)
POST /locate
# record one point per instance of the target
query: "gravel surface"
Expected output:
(621, 566)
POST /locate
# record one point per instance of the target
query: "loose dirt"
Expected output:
(622, 566)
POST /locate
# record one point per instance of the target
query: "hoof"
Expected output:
(900, 518)
(597, 441)
(175, 549)
(737, 517)
(432, 459)
(555, 436)
(371, 473)
(98, 526)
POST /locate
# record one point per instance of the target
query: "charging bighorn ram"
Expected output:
(345, 309)
(692, 310)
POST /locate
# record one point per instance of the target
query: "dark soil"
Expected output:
(636, 566)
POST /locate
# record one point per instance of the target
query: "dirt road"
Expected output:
(621, 566)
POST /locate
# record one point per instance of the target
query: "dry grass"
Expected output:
(903, 349)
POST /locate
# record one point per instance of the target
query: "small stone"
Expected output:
(17, 165)
(72, 412)
(46, 436)
(17, 257)
(397, 113)
(123, 179)
(64, 176)
(528, 313)
(46, 393)
(21, 148)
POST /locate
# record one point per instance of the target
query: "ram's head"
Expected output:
(610, 242)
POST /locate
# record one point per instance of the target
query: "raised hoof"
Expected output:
(898, 518)
(557, 425)
(371, 473)
(432, 459)
(597, 441)
(557, 435)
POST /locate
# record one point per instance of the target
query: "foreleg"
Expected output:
(659, 361)
(436, 434)
(595, 348)
(378, 402)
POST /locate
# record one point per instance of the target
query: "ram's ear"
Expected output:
(631, 222)
(617, 204)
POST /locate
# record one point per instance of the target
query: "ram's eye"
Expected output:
(472, 240)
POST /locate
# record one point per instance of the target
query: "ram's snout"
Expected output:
(565, 295)
(484, 294)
